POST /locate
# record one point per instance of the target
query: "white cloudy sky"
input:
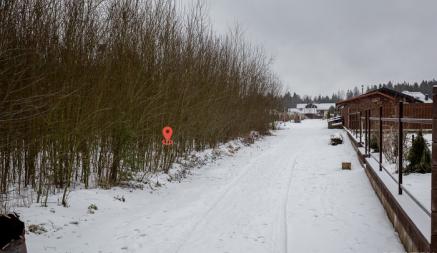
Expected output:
(320, 46)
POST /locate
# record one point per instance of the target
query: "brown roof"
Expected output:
(385, 92)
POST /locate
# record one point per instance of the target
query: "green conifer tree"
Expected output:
(419, 156)
(374, 143)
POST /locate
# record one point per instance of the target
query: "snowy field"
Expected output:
(285, 193)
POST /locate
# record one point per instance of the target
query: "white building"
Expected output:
(312, 110)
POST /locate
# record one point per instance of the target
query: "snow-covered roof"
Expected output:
(293, 110)
(325, 106)
(320, 106)
(418, 95)
(384, 92)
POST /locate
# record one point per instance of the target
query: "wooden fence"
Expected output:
(411, 111)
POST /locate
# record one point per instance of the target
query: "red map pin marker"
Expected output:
(167, 132)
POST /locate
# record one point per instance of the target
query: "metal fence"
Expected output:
(380, 122)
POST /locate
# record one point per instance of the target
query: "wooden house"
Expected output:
(383, 97)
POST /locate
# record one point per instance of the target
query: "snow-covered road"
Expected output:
(285, 193)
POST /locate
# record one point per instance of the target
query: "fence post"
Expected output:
(355, 125)
(365, 132)
(434, 174)
(369, 134)
(361, 128)
(351, 117)
(380, 138)
(400, 145)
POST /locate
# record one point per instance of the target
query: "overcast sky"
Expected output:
(320, 46)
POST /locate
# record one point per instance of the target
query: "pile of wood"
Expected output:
(336, 139)
(346, 165)
(335, 123)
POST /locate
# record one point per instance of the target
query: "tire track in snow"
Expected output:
(290, 179)
(231, 186)
(287, 193)
(280, 161)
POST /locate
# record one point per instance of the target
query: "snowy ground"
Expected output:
(285, 193)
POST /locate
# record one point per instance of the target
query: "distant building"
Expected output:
(312, 110)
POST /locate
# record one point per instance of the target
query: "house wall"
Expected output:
(390, 110)
(364, 104)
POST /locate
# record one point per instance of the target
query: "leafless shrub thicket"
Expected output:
(391, 147)
(87, 85)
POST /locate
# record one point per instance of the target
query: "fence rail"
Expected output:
(415, 200)
(403, 120)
